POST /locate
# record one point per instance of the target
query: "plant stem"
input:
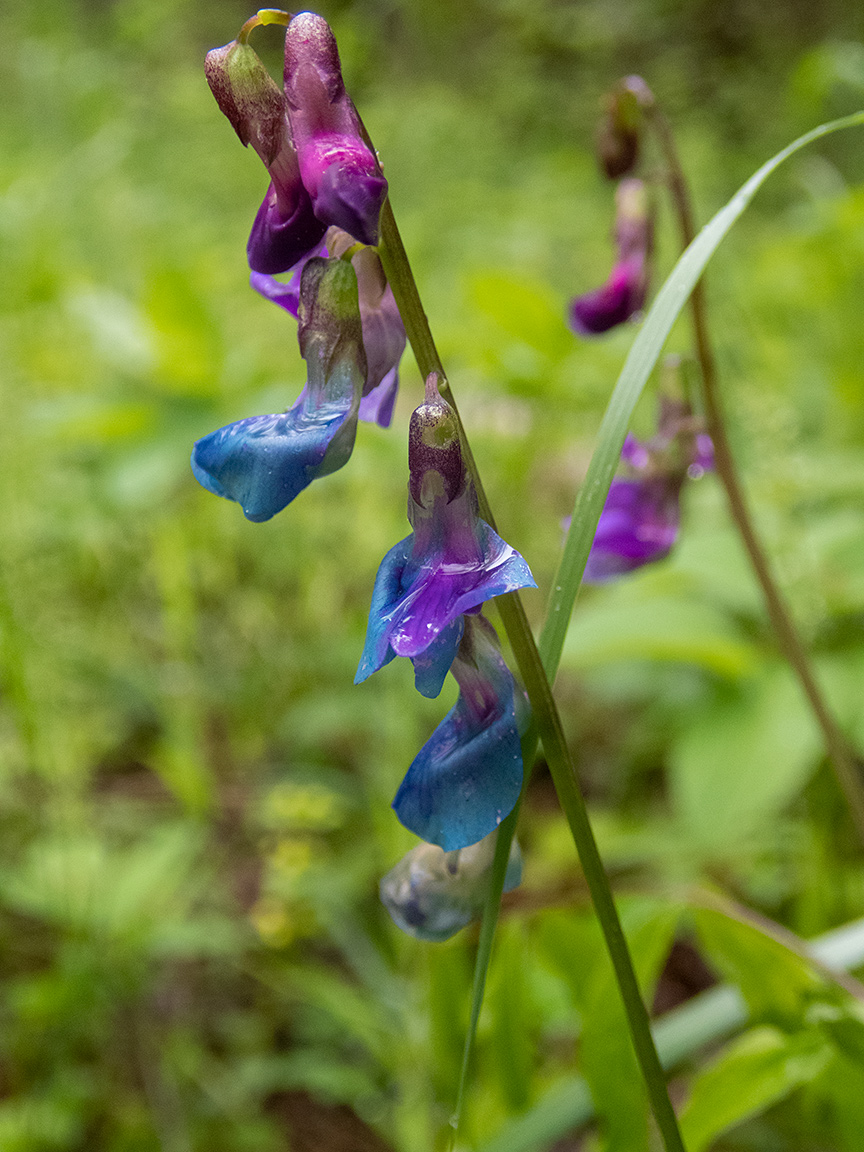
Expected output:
(841, 756)
(561, 765)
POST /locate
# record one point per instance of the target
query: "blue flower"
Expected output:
(468, 775)
(450, 564)
(263, 462)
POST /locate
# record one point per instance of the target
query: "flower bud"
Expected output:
(249, 97)
(339, 170)
(432, 894)
(619, 130)
(623, 294)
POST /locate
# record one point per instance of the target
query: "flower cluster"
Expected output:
(426, 602)
(320, 213)
(640, 519)
(319, 222)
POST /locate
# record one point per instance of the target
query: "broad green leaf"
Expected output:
(777, 983)
(657, 628)
(755, 1071)
(742, 757)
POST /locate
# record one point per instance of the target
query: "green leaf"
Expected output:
(621, 627)
(777, 983)
(754, 1072)
(742, 757)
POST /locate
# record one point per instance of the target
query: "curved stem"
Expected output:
(561, 764)
(841, 756)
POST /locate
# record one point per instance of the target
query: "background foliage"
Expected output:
(194, 797)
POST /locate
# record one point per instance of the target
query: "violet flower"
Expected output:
(263, 462)
(383, 330)
(623, 294)
(285, 228)
(338, 168)
(640, 519)
(468, 775)
(450, 564)
(431, 894)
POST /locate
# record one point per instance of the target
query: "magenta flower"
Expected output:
(450, 564)
(623, 294)
(339, 169)
(640, 519)
(468, 775)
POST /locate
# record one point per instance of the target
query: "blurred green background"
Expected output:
(194, 798)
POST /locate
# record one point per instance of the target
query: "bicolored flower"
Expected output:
(339, 170)
(640, 519)
(623, 294)
(431, 894)
(450, 564)
(285, 228)
(263, 462)
(468, 775)
(383, 330)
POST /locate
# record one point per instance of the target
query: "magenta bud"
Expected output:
(337, 166)
(623, 294)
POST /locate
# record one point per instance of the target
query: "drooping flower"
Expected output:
(263, 462)
(432, 894)
(620, 128)
(468, 775)
(339, 170)
(450, 564)
(640, 519)
(383, 330)
(285, 228)
(623, 294)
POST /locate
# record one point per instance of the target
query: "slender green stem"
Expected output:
(561, 765)
(841, 756)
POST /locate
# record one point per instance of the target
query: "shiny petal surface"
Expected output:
(468, 776)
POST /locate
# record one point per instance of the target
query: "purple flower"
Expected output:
(383, 330)
(263, 462)
(338, 168)
(285, 227)
(638, 525)
(623, 294)
(468, 775)
(640, 519)
(450, 564)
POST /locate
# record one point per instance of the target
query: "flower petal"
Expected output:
(464, 781)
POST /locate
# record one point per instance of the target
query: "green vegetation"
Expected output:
(194, 798)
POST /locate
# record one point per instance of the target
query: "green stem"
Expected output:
(548, 721)
(841, 756)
